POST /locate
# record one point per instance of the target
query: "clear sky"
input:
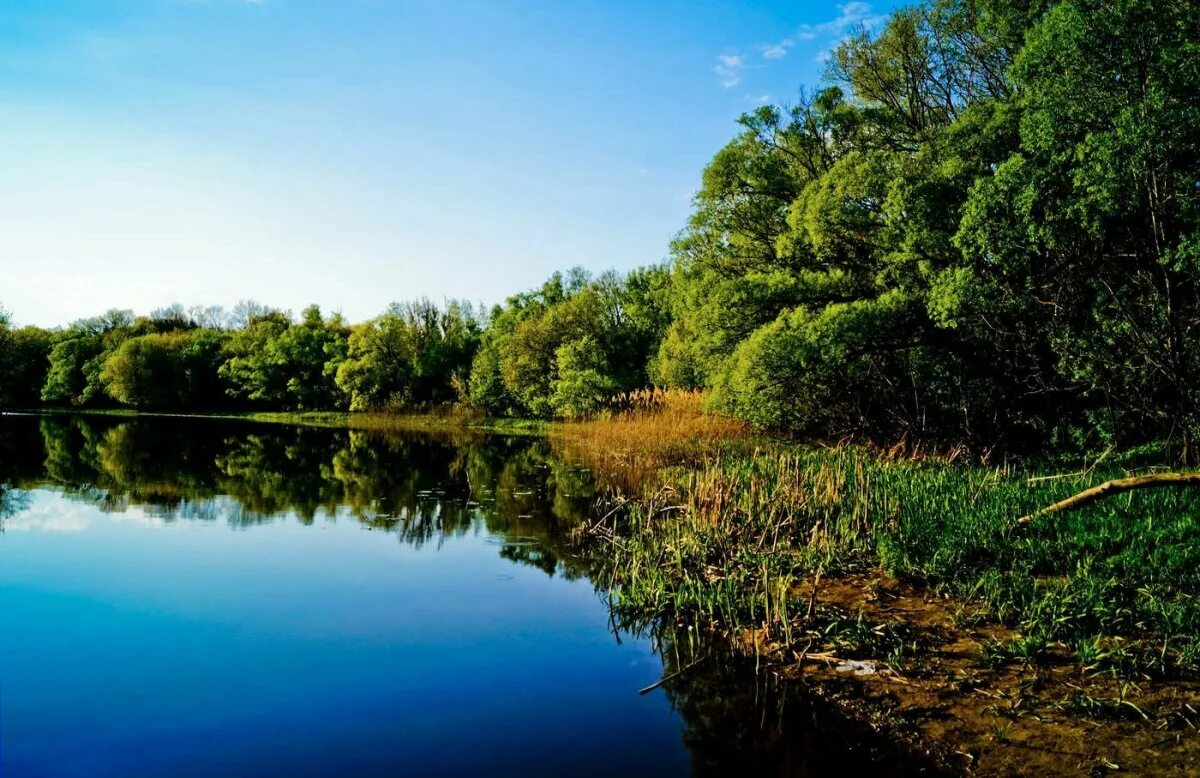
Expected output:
(355, 152)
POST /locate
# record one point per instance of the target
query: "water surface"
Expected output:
(193, 597)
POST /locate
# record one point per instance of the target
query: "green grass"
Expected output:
(1114, 584)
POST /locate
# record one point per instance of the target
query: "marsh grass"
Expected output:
(666, 417)
(728, 542)
(649, 430)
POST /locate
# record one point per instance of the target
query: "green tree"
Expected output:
(1083, 244)
(818, 283)
(603, 331)
(277, 363)
(166, 371)
(584, 383)
(24, 362)
(414, 354)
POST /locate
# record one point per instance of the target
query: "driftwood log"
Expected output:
(1115, 486)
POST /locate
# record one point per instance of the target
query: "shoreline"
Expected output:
(941, 674)
(360, 420)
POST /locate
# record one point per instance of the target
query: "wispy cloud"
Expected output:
(777, 50)
(850, 16)
(729, 69)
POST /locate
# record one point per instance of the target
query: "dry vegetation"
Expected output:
(650, 430)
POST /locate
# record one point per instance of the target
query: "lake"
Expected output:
(194, 597)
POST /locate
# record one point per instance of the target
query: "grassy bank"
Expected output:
(815, 558)
(733, 541)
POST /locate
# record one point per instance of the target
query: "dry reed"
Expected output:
(649, 430)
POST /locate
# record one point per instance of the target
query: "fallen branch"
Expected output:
(1115, 486)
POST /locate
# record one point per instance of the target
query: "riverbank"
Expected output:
(909, 591)
(449, 420)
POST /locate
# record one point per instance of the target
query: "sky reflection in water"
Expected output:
(150, 643)
(193, 597)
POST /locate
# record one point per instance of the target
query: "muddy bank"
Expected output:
(951, 708)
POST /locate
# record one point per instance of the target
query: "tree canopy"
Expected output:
(981, 229)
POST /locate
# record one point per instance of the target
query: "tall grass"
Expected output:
(728, 543)
(649, 430)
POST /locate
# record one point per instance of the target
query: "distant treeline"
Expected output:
(982, 229)
(566, 349)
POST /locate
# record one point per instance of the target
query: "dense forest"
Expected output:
(981, 230)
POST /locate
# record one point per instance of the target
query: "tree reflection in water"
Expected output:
(421, 488)
(425, 489)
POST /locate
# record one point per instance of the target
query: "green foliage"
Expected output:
(983, 230)
(254, 357)
(570, 347)
(824, 373)
(486, 388)
(277, 363)
(166, 371)
(584, 383)
(413, 354)
(1087, 229)
(71, 366)
(24, 362)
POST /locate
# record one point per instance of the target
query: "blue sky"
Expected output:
(355, 152)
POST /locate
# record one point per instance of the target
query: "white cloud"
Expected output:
(729, 69)
(850, 16)
(50, 511)
(829, 34)
(777, 50)
(46, 517)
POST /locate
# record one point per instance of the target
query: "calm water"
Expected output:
(191, 597)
